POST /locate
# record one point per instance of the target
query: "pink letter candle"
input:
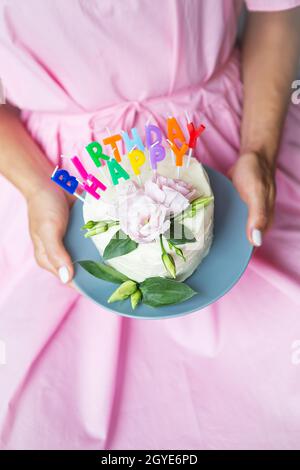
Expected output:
(95, 183)
(94, 186)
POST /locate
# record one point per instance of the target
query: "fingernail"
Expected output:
(63, 273)
(256, 237)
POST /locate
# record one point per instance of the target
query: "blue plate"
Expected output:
(216, 275)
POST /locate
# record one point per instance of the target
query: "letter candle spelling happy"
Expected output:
(174, 133)
(156, 150)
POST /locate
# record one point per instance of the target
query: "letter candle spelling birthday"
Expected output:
(135, 153)
(112, 140)
(194, 134)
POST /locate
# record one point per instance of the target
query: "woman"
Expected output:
(77, 376)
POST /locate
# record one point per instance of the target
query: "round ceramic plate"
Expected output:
(216, 275)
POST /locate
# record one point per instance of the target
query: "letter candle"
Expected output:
(96, 184)
(174, 132)
(147, 124)
(112, 140)
(194, 133)
(66, 181)
(95, 151)
(135, 156)
(136, 141)
(137, 159)
(156, 150)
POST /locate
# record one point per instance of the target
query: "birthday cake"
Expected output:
(145, 209)
(148, 210)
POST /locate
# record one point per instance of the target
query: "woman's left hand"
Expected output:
(254, 179)
(48, 213)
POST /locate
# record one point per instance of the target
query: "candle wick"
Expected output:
(54, 171)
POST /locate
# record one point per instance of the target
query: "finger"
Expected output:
(58, 257)
(258, 216)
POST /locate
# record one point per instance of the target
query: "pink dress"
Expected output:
(76, 376)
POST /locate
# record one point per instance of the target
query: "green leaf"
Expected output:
(103, 271)
(178, 234)
(119, 245)
(158, 291)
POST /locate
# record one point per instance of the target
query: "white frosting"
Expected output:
(145, 261)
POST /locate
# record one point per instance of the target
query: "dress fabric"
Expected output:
(76, 375)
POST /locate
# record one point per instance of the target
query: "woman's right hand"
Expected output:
(48, 211)
(254, 179)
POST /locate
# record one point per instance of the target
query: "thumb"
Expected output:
(257, 217)
(253, 178)
(57, 255)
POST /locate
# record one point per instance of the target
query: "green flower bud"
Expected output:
(169, 264)
(123, 291)
(90, 224)
(201, 201)
(179, 252)
(135, 298)
(191, 211)
(99, 228)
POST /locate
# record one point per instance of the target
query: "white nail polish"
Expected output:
(63, 273)
(256, 237)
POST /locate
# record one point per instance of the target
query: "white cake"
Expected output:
(145, 261)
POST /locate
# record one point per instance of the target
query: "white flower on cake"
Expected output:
(141, 218)
(174, 194)
(144, 212)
